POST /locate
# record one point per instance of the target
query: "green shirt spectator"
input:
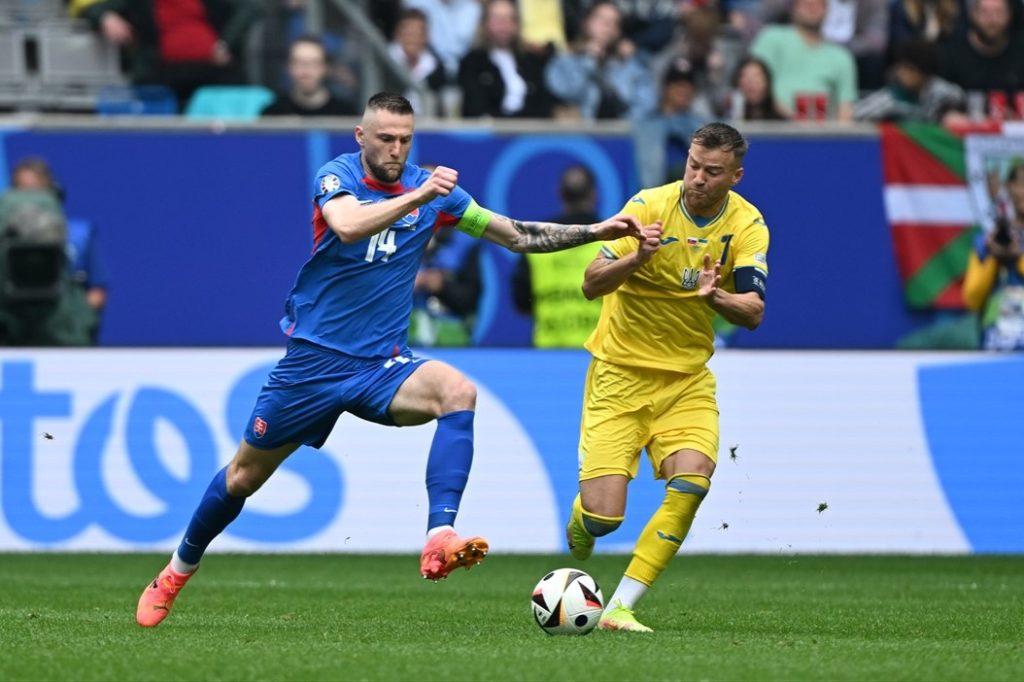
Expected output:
(803, 63)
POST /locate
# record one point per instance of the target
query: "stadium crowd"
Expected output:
(675, 63)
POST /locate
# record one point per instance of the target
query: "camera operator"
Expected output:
(994, 283)
(40, 302)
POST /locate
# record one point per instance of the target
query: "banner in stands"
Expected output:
(821, 452)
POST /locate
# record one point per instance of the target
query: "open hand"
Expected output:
(710, 278)
(619, 225)
(440, 183)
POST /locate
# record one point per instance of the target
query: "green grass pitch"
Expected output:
(373, 618)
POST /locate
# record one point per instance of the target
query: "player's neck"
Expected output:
(706, 213)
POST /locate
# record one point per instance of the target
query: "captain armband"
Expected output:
(475, 220)
(750, 278)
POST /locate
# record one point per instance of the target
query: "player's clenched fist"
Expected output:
(440, 183)
(650, 242)
(620, 225)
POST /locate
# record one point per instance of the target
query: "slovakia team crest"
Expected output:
(410, 219)
(259, 427)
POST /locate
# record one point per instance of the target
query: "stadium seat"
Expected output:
(141, 100)
(74, 57)
(13, 70)
(229, 102)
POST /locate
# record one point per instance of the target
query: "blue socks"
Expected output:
(451, 456)
(215, 511)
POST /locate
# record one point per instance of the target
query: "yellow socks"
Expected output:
(595, 524)
(665, 532)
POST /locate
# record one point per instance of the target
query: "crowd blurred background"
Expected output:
(675, 63)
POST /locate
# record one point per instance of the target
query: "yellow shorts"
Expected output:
(626, 409)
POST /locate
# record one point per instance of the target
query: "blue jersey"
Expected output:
(357, 298)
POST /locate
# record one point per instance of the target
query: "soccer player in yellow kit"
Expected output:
(704, 251)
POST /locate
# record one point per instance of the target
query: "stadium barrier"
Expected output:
(920, 453)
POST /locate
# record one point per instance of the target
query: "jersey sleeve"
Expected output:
(750, 268)
(456, 204)
(624, 246)
(333, 179)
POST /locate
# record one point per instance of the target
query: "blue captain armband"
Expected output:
(749, 279)
(475, 220)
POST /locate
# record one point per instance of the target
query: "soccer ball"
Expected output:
(567, 602)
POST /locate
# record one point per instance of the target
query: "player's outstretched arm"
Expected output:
(745, 309)
(524, 236)
(353, 221)
(604, 275)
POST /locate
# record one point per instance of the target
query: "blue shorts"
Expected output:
(311, 386)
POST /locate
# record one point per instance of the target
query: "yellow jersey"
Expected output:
(656, 319)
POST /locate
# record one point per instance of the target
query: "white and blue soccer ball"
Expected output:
(567, 602)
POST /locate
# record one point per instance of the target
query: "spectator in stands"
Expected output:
(453, 26)
(677, 118)
(862, 26)
(183, 44)
(549, 288)
(409, 49)
(701, 48)
(935, 21)
(744, 18)
(601, 76)
(499, 77)
(812, 77)
(994, 282)
(309, 95)
(915, 93)
(991, 56)
(753, 96)
(648, 23)
(40, 302)
(86, 264)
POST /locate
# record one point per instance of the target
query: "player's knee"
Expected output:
(688, 462)
(243, 481)
(612, 506)
(460, 394)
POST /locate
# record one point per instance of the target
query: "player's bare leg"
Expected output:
(248, 471)
(439, 391)
(688, 473)
(597, 510)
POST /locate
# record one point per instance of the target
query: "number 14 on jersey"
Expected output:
(382, 241)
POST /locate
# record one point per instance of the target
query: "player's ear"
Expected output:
(737, 176)
(360, 135)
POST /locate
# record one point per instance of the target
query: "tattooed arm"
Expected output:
(524, 236)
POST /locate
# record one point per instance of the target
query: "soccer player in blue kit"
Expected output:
(347, 320)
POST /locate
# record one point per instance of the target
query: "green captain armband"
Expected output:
(475, 220)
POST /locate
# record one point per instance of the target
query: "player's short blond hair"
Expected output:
(721, 136)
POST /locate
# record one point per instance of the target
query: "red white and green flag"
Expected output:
(928, 203)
